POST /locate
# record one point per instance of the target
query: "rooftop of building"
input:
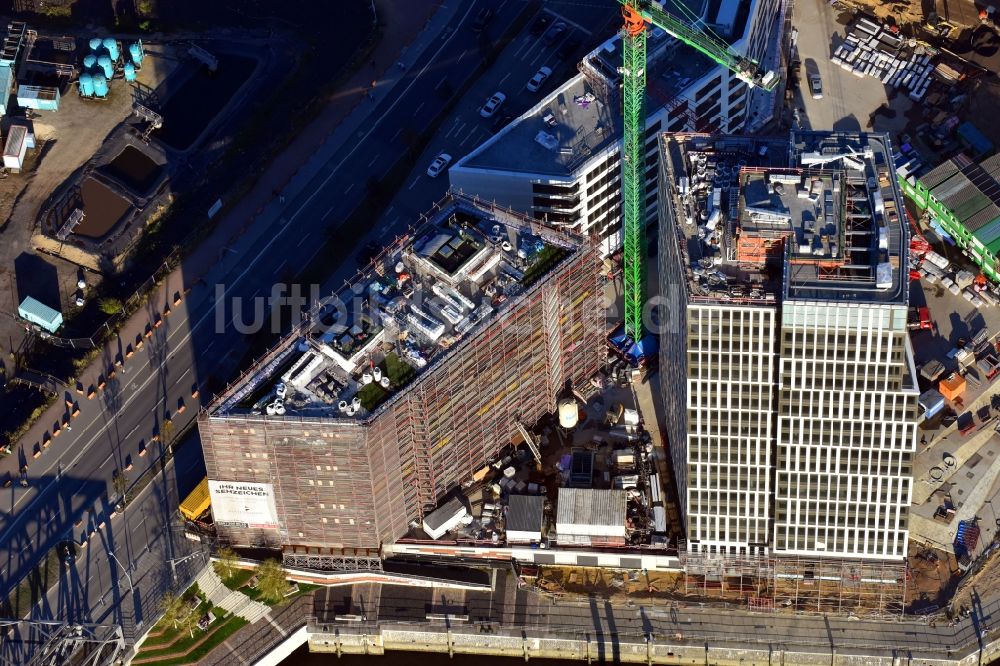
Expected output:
(582, 117)
(971, 191)
(813, 217)
(420, 298)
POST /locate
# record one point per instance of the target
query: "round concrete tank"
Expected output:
(569, 415)
(112, 46)
(135, 50)
(105, 63)
(86, 85)
(100, 85)
(95, 43)
(129, 71)
(89, 60)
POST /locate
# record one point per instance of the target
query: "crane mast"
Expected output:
(636, 13)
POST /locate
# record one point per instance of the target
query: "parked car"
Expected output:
(568, 48)
(438, 165)
(540, 25)
(484, 16)
(816, 86)
(539, 78)
(492, 104)
(501, 122)
(554, 33)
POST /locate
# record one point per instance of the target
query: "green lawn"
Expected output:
(546, 259)
(221, 629)
(397, 370)
(239, 578)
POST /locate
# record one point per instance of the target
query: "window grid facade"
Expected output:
(847, 428)
(731, 390)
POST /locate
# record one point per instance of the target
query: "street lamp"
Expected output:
(131, 590)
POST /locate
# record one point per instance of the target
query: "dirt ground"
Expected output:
(609, 583)
(64, 140)
(932, 578)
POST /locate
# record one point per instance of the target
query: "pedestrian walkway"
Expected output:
(228, 600)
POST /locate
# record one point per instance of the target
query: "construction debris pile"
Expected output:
(874, 50)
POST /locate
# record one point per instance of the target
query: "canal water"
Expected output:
(302, 657)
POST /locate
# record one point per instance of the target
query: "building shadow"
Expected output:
(36, 278)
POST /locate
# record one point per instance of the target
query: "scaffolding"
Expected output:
(847, 587)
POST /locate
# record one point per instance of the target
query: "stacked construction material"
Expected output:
(872, 50)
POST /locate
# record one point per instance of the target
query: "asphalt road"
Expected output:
(71, 481)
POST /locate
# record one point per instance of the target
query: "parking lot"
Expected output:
(847, 100)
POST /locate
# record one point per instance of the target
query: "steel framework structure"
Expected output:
(38, 643)
(799, 584)
(636, 14)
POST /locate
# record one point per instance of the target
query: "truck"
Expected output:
(919, 319)
(990, 366)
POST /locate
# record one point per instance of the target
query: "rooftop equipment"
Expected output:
(136, 52)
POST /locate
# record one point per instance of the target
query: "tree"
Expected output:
(120, 483)
(271, 581)
(167, 431)
(226, 564)
(173, 608)
(188, 622)
(110, 306)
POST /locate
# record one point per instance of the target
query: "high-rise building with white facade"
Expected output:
(786, 367)
(560, 161)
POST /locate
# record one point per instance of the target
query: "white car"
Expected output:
(438, 165)
(539, 78)
(816, 86)
(492, 104)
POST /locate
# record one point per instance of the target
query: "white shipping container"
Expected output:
(936, 259)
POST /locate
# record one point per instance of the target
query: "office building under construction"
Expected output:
(787, 371)
(355, 426)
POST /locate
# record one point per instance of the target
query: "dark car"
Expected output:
(540, 25)
(554, 33)
(501, 122)
(568, 48)
(484, 16)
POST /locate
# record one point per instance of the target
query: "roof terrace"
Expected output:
(816, 217)
(420, 298)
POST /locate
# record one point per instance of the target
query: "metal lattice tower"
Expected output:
(636, 13)
(634, 169)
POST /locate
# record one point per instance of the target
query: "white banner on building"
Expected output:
(238, 504)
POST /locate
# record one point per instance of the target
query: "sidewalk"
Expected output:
(414, 25)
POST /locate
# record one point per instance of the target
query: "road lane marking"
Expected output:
(414, 183)
(350, 187)
(398, 132)
(505, 77)
(417, 110)
(441, 82)
(374, 160)
(305, 237)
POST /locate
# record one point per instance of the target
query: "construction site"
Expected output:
(434, 359)
(762, 584)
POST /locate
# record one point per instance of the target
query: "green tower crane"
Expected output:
(636, 14)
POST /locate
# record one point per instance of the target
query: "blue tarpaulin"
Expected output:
(971, 135)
